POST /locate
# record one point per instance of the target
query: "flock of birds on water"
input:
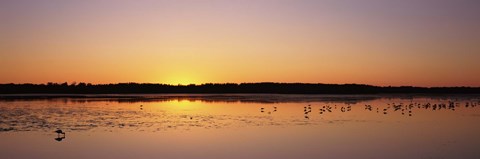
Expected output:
(400, 107)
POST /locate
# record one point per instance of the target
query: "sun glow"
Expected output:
(183, 79)
(176, 42)
(181, 82)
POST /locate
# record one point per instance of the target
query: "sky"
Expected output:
(378, 42)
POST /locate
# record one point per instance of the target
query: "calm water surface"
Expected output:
(241, 126)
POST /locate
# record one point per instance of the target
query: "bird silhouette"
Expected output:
(59, 132)
(60, 138)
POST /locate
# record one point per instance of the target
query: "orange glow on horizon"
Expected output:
(193, 42)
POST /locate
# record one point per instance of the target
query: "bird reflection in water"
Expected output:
(60, 135)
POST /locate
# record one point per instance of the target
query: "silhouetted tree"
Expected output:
(266, 87)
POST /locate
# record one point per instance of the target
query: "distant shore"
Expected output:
(243, 98)
(227, 88)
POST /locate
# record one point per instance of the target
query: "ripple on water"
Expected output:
(44, 117)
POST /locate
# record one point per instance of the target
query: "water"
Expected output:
(240, 126)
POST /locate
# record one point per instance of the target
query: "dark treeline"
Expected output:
(275, 88)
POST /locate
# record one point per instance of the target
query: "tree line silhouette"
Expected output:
(220, 88)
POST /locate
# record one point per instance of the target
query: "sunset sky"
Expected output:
(378, 42)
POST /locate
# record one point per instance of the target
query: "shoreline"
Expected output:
(243, 98)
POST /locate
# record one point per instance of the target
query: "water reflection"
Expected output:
(209, 98)
(433, 126)
(43, 115)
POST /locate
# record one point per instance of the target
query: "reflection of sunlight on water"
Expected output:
(45, 115)
(225, 128)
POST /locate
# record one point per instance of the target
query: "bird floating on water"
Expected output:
(59, 132)
(60, 138)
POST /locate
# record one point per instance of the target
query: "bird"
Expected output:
(60, 132)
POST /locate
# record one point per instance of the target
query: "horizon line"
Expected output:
(219, 83)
